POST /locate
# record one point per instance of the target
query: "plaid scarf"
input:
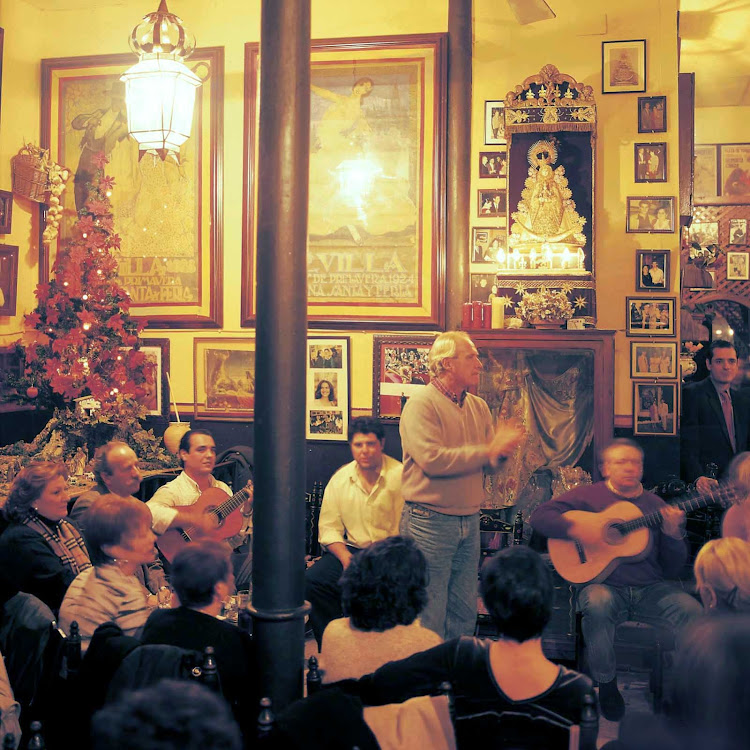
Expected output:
(64, 540)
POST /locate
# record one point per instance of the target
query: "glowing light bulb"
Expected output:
(87, 326)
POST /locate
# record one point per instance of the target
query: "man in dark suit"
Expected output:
(714, 419)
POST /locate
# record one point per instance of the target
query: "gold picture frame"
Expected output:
(224, 378)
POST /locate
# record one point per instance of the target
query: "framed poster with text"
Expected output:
(167, 214)
(376, 220)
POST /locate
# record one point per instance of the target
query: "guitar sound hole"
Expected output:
(612, 535)
(216, 515)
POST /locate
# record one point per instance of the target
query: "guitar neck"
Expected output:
(719, 496)
(234, 502)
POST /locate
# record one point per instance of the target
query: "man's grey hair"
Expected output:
(100, 463)
(444, 347)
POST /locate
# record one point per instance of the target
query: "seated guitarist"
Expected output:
(633, 590)
(172, 506)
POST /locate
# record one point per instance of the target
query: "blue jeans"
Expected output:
(605, 607)
(451, 546)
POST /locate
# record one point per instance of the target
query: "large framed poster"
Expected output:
(376, 218)
(734, 172)
(167, 214)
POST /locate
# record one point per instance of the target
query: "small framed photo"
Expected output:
(6, 211)
(8, 279)
(487, 243)
(654, 409)
(653, 359)
(738, 231)
(400, 368)
(157, 398)
(652, 270)
(649, 316)
(704, 233)
(652, 114)
(224, 378)
(493, 164)
(491, 203)
(650, 162)
(650, 214)
(737, 266)
(494, 123)
(327, 388)
(624, 67)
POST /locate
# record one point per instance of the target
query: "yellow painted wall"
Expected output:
(505, 53)
(722, 125)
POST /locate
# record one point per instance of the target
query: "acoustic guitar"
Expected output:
(226, 515)
(624, 536)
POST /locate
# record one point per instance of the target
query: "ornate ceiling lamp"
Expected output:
(160, 88)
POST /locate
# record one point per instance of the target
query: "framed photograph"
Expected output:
(494, 123)
(704, 233)
(734, 173)
(652, 114)
(650, 162)
(8, 279)
(487, 243)
(224, 378)
(493, 164)
(738, 231)
(168, 215)
(376, 245)
(399, 369)
(652, 270)
(706, 173)
(653, 360)
(650, 214)
(655, 409)
(649, 316)
(737, 266)
(327, 388)
(491, 203)
(158, 399)
(6, 211)
(624, 67)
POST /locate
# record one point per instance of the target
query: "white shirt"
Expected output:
(358, 517)
(182, 492)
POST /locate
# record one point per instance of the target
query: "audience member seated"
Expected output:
(40, 551)
(171, 715)
(202, 578)
(737, 519)
(383, 591)
(120, 540)
(9, 708)
(502, 677)
(722, 575)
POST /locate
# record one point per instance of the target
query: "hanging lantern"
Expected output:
(160, 88)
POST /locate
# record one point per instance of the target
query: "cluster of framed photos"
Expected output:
(738, 261)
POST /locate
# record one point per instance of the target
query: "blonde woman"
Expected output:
(722, 575)
(737, 519)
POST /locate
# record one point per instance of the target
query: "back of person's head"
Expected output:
(516, 587)
(171, 715)
(366, 426)
(385, 585)
(716, 345)
(739, 472)
(722, 574)
(110, 520)
(29, 485)
(712, 691)
(196, 569)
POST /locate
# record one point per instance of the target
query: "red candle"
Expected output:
(466, 316)
(487, 315)
(476, 317)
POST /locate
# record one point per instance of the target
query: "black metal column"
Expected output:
(281, 334)
(459, 158)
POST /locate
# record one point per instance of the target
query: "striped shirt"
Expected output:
(104, 594)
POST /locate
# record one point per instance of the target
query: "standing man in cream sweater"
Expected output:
(448, 437)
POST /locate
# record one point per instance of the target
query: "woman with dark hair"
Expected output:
(383, 590)
(492, 678)
(325, 397)
(202, 579)
(120, 541)
(40, 551)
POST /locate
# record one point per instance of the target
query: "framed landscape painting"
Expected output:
(376, 239)
(168, 215)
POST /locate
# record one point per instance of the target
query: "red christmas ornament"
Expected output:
(32, 391)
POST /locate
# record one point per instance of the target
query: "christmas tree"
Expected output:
(84, 343)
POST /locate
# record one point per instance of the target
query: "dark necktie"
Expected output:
(726, 407)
